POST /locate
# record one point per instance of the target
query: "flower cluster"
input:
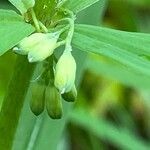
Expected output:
(53, 85)
(38, 47)
(58, 75)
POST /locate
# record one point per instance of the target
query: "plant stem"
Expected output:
(71, 30)
(36, 23)
(35, 133)
(43, 27)
(14, 100)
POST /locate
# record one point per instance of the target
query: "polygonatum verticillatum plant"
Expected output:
(46, 25)
(48, 47)
(56, 78)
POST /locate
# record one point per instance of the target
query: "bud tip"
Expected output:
(16, 49)
(30, 58)
(62, 91)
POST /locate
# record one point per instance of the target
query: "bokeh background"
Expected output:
(112, 111)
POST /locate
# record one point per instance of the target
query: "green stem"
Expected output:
(61, 3)
(71, 30)
(35, 133)
(60, 43)
(13, 101)
(36, 23)
(43, 27)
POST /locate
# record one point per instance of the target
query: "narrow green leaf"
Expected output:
(13, 101)
(12, 30)
(138, 43)
(19, 5)
(113, 70)
(92, 42)
(9, 15)
(78, 5)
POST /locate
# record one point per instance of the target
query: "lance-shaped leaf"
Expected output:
(19, 5)
(113, 70)
(130, 41)
(78, 5)
(9, 16)
(96, 41)
(23, 5)
(12, 30)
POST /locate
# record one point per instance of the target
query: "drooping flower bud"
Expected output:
(37, 100)
(53, 102)
(71, 95)
(38, 46)
(28, 43)
(44, 48)
(65, 72)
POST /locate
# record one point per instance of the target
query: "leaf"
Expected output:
(110, 69)
(9, 15)
(78, 5)
(12, 30)
(130, 41)
(23, 5)
(105, 130)
(19, 5)
(96, 41)
(14, 100)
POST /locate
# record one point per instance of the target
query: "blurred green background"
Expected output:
(112, 111)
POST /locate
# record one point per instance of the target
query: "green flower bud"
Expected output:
(28, 43)
(65, 72)
(38, 46)
(53, 102)
(71, 95)
(43, 49)
(38, 98)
